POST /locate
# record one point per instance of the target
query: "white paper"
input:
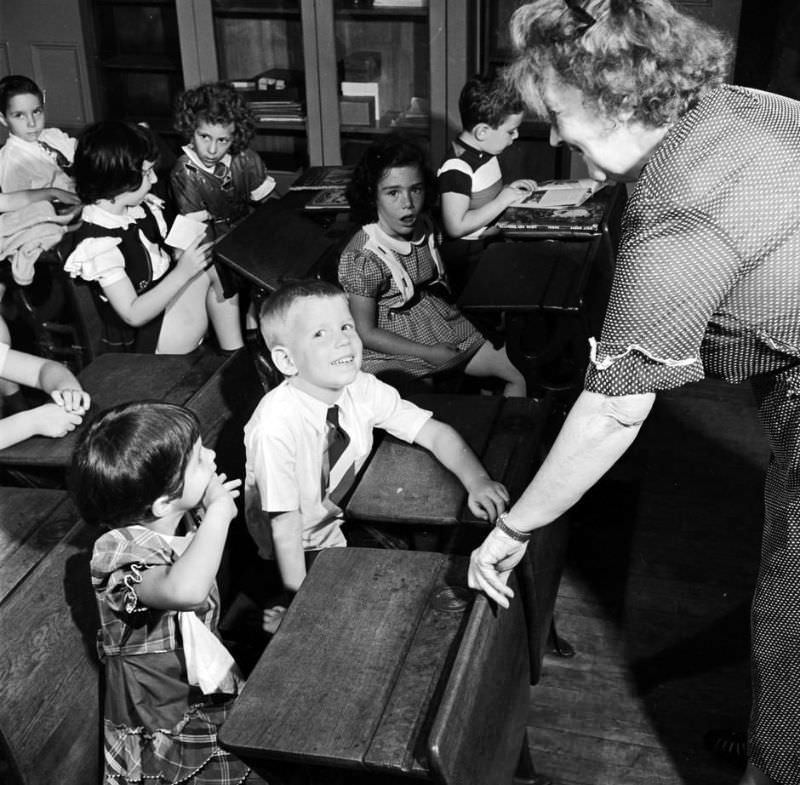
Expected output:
(184, 232)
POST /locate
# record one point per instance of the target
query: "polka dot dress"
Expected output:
(708, 283)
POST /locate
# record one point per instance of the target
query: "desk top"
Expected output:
(505, 433)
(548, 275)
(375, 628)
(32, 522)
(117, 378)
(279, 242)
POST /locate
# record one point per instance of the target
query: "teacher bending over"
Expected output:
(707, 282)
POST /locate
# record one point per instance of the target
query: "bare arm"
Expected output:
(138, 309)
(486, 498)
(186, 583)
(459, 220)
(598, 430)
(287, 537)
(364, 310)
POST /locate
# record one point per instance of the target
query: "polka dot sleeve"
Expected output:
(673, 272)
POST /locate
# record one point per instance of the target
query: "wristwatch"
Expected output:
(515, 534)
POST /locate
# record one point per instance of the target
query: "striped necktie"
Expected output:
(337, 442)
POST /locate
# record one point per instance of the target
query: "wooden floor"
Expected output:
(655, 599)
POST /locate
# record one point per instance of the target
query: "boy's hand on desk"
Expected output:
(77, 401)
(486, 498)
(517, 191)
(272, 618)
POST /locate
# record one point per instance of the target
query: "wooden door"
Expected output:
(45, 41)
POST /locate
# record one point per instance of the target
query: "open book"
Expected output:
(561, 193)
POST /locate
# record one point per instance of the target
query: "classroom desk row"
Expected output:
(551, 288)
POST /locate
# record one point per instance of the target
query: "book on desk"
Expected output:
(570, 220)
(317, 178)
(328, 199)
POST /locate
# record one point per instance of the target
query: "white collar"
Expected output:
(403, 247)
(95, 214)
(313, 410)
(192, 156)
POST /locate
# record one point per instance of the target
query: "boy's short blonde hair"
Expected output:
(275, 310)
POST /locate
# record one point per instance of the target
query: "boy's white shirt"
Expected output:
(26, 165)
(303, 435)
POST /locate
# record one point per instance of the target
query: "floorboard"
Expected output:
(655, 599)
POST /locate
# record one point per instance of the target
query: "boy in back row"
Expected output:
(471, 186)
(310, 435)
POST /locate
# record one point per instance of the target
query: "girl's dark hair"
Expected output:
(130, 456)
(387, 152)
(109, 158)
(16, 84)
(216, 103)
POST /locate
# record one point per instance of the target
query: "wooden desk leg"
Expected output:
(526, 771)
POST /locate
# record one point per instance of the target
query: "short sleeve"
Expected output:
(119, 559)
(97, 259)
(362, 273)
(271, 457)
(673, 270)
(394, 414)
(454, 177)
(259, 183)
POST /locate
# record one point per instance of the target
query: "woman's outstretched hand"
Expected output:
(491, 563)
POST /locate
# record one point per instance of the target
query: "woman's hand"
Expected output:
(195, 258)
(72, 400)
(221, 492)
(55, 421)
(486, 498)
(491, 564)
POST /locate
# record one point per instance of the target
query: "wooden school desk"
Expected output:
(210, 384)
(403, 483)
(49, 671)
(280, 241)
(552, 286)
(388, 667)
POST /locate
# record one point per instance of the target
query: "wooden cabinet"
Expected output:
(137, 60)
(362, 68)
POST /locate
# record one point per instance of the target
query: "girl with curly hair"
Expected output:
(218, 178)
(706, 283)
(393, 273)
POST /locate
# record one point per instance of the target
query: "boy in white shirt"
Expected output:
(293, 478)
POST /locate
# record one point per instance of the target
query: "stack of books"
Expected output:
(329, 184)
(274, 96)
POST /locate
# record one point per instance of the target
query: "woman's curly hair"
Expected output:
(387, 152)
(216, 103)
(642, 59)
